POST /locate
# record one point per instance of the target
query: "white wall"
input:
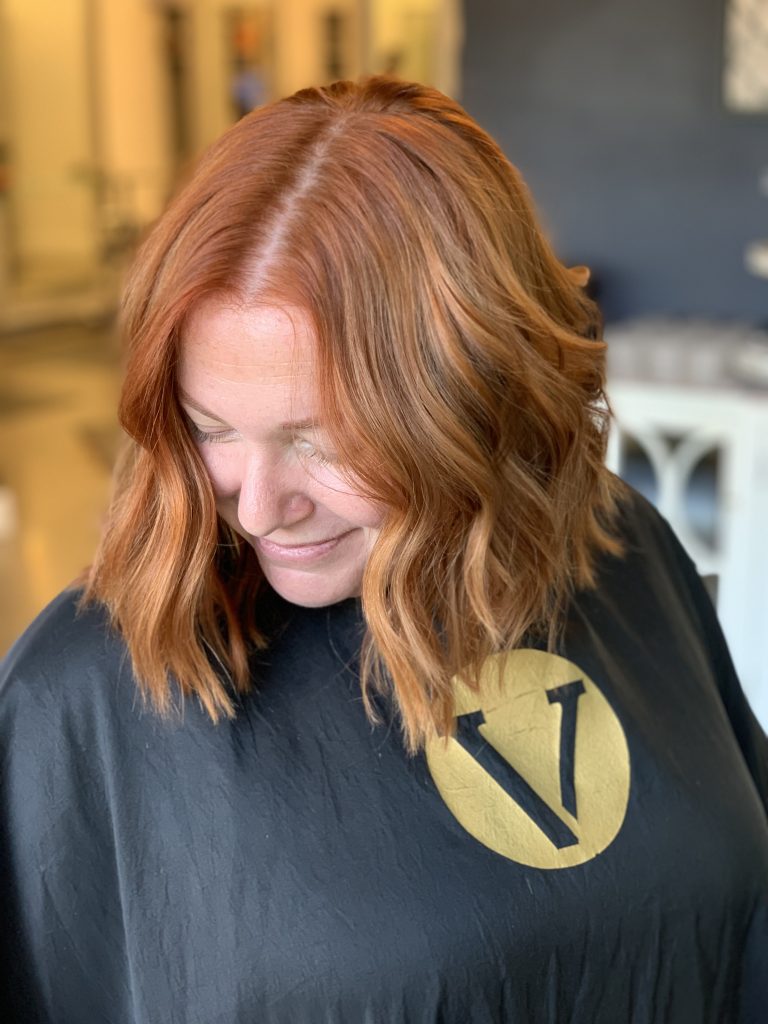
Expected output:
(210, 112)
(299, 38)
(134, 105)
(51, 145)
(88, 95)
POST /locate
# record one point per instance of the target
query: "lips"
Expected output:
(297, 547)
(297, 552)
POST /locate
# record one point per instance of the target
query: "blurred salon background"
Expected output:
(640, 125)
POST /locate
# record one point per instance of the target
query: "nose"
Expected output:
(272, 496)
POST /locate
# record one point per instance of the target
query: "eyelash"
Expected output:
(220, 437)
(205, 437)
(314, 453)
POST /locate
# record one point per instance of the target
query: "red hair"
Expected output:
(459, 373)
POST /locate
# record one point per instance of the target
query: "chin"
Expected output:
(308, 591)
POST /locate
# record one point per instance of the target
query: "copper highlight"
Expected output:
(460, 373)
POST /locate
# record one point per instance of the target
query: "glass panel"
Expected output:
(702, 505)
(637, 469)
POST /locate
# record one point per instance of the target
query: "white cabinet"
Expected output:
(692, 435)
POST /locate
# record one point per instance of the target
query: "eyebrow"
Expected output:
(288, 425)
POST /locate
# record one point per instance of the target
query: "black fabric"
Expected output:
(293, 865)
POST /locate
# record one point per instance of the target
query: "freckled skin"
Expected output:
(251, 370)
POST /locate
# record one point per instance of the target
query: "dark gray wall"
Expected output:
(612, 110)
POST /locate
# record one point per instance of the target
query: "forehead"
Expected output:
(249, 344)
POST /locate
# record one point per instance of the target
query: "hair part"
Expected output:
(460, 373)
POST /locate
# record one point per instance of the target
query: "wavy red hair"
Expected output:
(460, 374)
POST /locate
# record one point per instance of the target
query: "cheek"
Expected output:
(223, 472)
(369, 515)
(338, 495)
(352, 507)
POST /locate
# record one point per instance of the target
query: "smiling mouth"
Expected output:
(297, 551)
(296, 547)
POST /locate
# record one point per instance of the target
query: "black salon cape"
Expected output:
(293, 865)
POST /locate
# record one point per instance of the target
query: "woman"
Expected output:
(436, 723)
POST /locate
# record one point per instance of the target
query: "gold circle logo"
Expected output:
(538, 769)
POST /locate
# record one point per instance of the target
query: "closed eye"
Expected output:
(209, 436)
(310, 451)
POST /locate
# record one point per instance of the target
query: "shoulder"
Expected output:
(67, 656)
(656, 590)
(642, 526)
(651, 551)
(651, 594)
